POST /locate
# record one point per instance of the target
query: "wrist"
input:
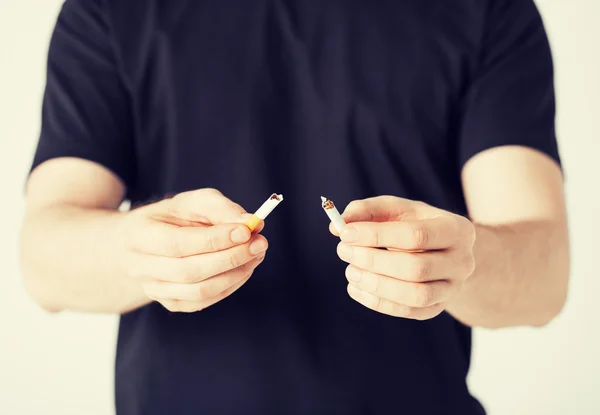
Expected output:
(122, 228)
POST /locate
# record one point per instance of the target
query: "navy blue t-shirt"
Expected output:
(348, 99)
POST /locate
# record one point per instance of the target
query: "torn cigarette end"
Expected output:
(326, 203)
(264, 211)
(333, 214)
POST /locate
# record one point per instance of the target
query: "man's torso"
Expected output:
(306, 98)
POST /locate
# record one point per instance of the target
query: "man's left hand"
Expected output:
(406, 258)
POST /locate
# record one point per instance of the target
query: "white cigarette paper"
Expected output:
(267, 207)
(264, 211)
(333, 214)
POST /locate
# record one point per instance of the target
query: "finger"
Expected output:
(406, 266)
(178, 242)
(185, 306)
(413, 294)
(193, 269)
(440, 232)
(333, 230)
(201, 291)
(205, 205)
(378, 209)
(393, 309)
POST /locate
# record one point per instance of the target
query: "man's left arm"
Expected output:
(512, 179)
(508, 265)
(516, 202)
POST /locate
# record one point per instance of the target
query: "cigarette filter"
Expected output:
(332, 212)
(264, 211)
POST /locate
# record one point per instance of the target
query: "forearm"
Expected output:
(69, 261)
(521, 276)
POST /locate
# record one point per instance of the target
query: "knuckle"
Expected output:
(469, 264)
(399, 310)
(473, 234)
(241, 272)
(469, 231)
(135, 270)
(173, 245)
(421, 205)
(421, 269)
(419, 237)
(409, 312)
(171, 305)
(377, 304)
(189, 307)
(150, 291)
(212, 242)
(365, 258)
(233, 260)
(374, 237)
(185, 273)
(203, 292)
(247, 270)
(211, 191)
(230, 290)
(129, 238)
(129, 230)
(207, 192)
(178, 197)
(355, 204)
(430, 313)
(174, 205)
(424, 295)
(377, 285)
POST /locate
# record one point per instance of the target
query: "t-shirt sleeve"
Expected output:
(86, 107)
(511, 99)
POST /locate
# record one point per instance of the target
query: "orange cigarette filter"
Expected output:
(261, 214)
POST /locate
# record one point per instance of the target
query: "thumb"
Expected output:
(208, 206)
(378, 209)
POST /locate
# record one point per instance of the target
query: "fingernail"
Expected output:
(344, 251)
(240, 235)
(258, 247)
(350, 234)
(353, 274)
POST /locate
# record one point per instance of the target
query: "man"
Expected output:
(416, 115)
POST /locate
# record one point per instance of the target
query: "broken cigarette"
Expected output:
(332, 212)
(264, 211)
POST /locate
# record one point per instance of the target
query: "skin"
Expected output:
(186, 252)
(506, 265)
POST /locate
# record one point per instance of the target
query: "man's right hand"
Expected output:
(190, 251)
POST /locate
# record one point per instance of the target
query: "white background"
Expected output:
(63, 364)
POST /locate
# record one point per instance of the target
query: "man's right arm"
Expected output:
(80, 253)
(70, 239)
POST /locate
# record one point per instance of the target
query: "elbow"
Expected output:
(38, 291)
(554, 288)
(37, 286)
(553, 303)
(534, 312)
(550, 310)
